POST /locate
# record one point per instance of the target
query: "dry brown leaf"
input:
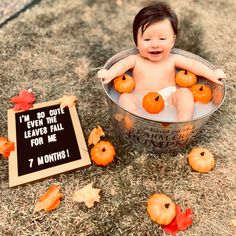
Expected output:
(68, 101)
(87, 194)
(50, 199)
(95, 135)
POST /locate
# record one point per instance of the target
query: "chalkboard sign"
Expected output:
(48, 140)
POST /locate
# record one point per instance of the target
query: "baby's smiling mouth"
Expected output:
(155, 52)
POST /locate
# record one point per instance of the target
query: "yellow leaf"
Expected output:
(95, 135)
(67, 101)
(87, 194)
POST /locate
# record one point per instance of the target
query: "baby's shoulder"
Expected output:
(131, 59)
(177, 57)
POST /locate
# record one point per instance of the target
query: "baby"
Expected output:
(154, 67)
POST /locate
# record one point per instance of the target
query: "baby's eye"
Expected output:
(147, 39)
(162, 38)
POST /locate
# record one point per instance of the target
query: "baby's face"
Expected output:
(156, 41)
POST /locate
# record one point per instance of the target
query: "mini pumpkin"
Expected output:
(201, 160)
(124, 83)
(161, 209)
(153, 102)
(103, 153)
(185, 79)
(201, 93)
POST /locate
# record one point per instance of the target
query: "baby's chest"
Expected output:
(154, 71)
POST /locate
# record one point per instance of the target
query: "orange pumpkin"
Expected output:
(201, 93)
(103, 153)
(161, 209)
(201, 160)
(153, 103)
(185, 79)
(124, 83)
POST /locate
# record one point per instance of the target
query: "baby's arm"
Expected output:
(117, 69)
(199, 68)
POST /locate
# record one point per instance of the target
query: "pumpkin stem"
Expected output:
(201, 89)
(123, 78)
(185, 72)
(202, 153)
(104, 149)
(167, 205)
(157, 98)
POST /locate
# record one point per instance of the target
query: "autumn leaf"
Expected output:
(50, 199)
(172, 228)
(24, 101)
(6, 147)
(87, 194)
(95, 135)
(68, 101)
(181, 222)
(184, 220)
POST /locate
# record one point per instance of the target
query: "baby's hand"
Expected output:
(103, 74)
(219, 76)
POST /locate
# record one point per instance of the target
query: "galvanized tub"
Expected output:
(153, 135)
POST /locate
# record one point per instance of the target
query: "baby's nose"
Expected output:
(155, 43)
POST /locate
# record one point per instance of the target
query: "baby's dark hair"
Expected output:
(152, 14)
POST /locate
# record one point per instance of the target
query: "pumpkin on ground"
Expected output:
(103, 153)
(185, 79)
(161, 209)
(201, 160)
(124, 83)
(153, 102)
(201, 93)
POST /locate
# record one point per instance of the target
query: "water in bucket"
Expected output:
(169, 112)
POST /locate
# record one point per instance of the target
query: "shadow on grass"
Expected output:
(190, 37)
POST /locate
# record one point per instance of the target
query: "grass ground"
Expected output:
(55, 49)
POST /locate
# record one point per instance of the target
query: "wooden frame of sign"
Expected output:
(48, 140)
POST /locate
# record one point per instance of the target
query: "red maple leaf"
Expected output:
(181, 222)
(6, 147)
(24, 101)
(184, 220)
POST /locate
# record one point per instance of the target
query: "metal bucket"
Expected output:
(158, 136)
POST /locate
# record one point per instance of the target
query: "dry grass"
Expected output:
(55, 49)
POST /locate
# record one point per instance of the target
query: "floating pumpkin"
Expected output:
(124, 83)
(185, 79)
(161, 209)
(201, 93)
(103, 153)
(153, 103)
(201, 160)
